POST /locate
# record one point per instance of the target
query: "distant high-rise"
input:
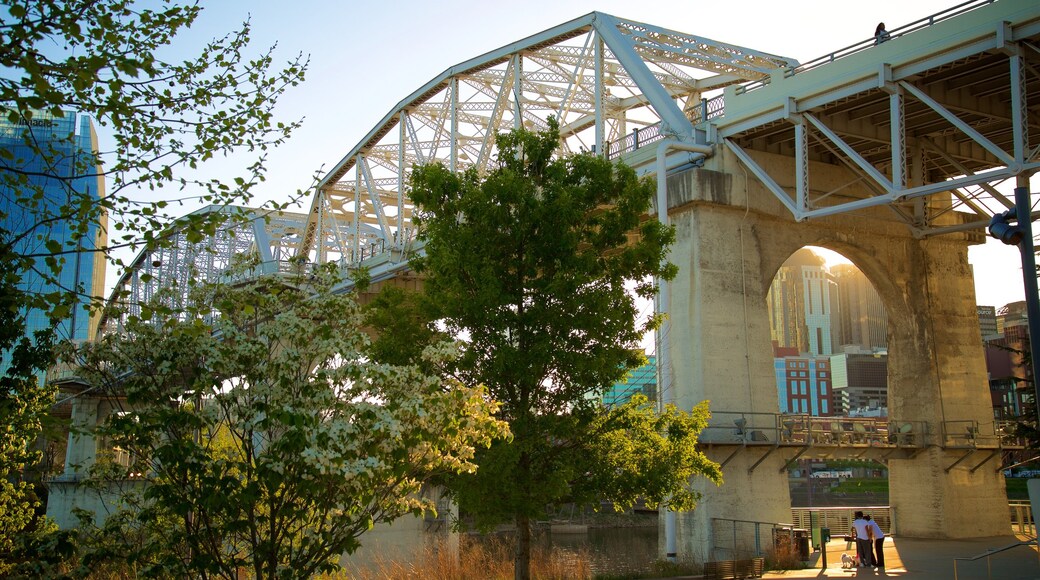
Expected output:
(860, 380)
(803, 302)
(642, 380)
(60, 177)
(987, 321)
(864, 321)
(804, 385)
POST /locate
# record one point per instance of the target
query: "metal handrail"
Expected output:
(990, 552)
(758, 525)
(870, 42)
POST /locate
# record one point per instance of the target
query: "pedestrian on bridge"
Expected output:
(880, 34)
(864, 549)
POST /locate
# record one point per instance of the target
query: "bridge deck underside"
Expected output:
(977, 88)
(913, 120)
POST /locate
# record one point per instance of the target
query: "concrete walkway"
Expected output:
(910, 558)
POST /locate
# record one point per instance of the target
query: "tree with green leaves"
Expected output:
(530, 264)
(167, 116)
(267, 440)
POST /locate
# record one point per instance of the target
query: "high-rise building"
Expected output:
(1009, 313)
(864, 321)
(987, 321)
(642, 380)
(804, 385)
(860, 380)
(1007, 364)
(803, 303)
(62, 174)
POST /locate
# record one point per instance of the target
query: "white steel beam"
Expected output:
(765, 178)
(671, 115)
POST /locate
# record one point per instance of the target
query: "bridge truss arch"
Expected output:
(613, 84)
(164, 275)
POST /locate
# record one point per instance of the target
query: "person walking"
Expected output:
(863, 544)
(879, 541)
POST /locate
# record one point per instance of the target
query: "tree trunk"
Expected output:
(522, 562)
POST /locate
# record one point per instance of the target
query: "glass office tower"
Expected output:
(58, 174)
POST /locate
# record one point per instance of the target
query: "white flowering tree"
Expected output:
(268, 441)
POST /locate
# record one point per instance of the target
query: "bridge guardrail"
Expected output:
(1022, 517)
(728, 427)
(970, 433)
(870, 42)
(642, 136)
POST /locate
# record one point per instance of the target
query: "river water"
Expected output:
(612, 550)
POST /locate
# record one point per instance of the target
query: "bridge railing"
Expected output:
(870, 42)
(971, 433)
(643, 136)
(839, 519)
(733, 539)
(1022, 517)
(803, 429)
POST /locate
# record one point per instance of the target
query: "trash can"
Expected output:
(801, 544)
(825, 535)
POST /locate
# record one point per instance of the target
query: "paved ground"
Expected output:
(913, 559)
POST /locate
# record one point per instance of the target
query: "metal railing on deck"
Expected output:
(1022, 517)
(729, 537)
(803, 429)
(971, 433)
(870, 42)
(642, 136)
(989, 553)
(839, 519)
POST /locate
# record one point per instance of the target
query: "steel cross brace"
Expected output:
(963, 457)
(984, 461)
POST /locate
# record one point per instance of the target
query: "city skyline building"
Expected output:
(860, 381)
(803, 305)
(804, 385)
(642, 380)
(864, 321)
(1006, 362)
(987, 321)
(60, 164)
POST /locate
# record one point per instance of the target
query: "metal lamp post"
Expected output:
(1021, 235)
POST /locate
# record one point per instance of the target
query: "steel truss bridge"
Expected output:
(932, 121)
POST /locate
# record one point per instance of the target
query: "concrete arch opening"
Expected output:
(829, 335)
(732, 238)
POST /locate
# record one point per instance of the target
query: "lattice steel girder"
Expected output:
(169, 272)
(966, 134)
(597, 74)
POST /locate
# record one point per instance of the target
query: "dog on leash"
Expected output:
(848, 561)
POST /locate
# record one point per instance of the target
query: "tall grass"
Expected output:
(490, 559)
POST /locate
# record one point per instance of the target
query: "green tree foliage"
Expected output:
(168, 117)
(530, 263)
(266, 440)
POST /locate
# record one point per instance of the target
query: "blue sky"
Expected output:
(367, 56)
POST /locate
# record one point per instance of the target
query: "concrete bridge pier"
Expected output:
(937, 375)
(720, 351)
(728, 251)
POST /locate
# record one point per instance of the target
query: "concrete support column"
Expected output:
(720, 351)
(81, 449)
(937, 375)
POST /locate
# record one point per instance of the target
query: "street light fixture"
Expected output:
(1021, 235)
(1000, 228)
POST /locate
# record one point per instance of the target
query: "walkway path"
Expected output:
(915, 559)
